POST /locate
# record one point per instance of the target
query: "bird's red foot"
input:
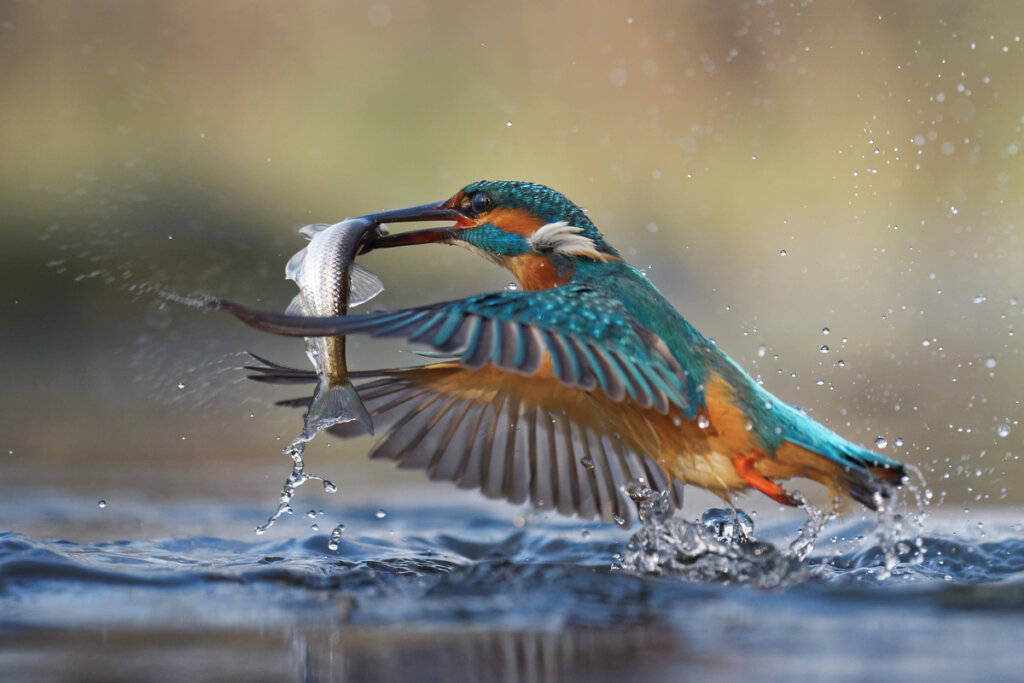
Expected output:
(744, 464)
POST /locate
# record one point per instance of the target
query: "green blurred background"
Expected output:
(779, 169)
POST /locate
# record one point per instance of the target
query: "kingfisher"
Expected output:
(577, 385)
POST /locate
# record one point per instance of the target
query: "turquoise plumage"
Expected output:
(591, 359)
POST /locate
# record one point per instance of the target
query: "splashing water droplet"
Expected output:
(311, 514)
(181, 385)
(329, 486)
(1003, 431)
(824, 348)
(101, 504)
(825, 330)
(336, 533)
(380, 514)
(979, 298)
(512, 287)
(782, 252)
(881, 442)
(703, 422)
(898, 442)
(587, 462)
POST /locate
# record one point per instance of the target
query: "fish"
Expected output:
(329, 283)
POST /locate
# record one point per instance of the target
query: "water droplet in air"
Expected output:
(990, 362)
(825, 330)
(898, 442)
(181, 385)
(824, 348)
(512, 287)
(587, 462)
(761, 350)
(508, 124)
(703, 422)
(380, 514)
(311, 514)
(314, 527)
(880, 442)
(926, 342)
(619, 520)
(329, 486)
(102, 504)
(1003, 430)
(336, 533)
(841, 363)
(979, 298)
(782, 252)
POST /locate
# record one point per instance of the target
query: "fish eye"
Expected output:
(480, 202)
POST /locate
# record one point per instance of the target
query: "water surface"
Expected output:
(428, 592)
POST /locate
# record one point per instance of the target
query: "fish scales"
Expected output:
(329, 283)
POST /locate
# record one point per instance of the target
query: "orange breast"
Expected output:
(535, 271)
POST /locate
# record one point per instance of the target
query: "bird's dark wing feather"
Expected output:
(582, 336)
(501, 440)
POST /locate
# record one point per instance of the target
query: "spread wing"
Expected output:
(578, 334)
(509, 436)
(549, 395)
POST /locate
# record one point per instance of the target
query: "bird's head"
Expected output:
(530, 229)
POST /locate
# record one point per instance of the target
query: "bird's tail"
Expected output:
(867, 477)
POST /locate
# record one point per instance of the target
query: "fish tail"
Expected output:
(334, 405)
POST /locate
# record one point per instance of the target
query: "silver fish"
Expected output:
(329, 282)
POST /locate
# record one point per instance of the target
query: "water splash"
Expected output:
(719, 548)
(296, 478)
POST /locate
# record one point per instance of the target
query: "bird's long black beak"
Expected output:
(424, 212)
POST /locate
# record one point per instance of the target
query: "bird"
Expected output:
(569, 390)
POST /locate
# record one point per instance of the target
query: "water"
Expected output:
(489, 592)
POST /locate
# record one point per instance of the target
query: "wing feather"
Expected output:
(504, 444)
(590, 340)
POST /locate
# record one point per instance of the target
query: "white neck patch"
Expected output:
(567, 240)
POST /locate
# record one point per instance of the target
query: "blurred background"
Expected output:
(830, 190)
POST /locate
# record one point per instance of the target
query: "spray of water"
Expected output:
(721, 546)
(296, 478)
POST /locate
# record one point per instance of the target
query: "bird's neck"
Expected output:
(540, 271)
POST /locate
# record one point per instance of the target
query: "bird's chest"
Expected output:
(537, 271)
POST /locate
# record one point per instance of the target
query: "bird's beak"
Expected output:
(424, 212)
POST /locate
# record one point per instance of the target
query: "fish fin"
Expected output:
(334, 405)
(294, 265)
(365, 285)
(314, 228)
(297, 306)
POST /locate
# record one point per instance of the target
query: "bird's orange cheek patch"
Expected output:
(513, 220)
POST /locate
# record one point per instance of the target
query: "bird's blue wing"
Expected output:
(579, 334)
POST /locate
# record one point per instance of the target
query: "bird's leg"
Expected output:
(744, 464)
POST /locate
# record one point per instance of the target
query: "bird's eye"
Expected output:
(481, 202)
